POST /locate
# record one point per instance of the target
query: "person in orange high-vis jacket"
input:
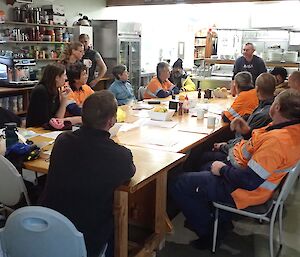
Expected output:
(247, 99)
(77, 74)
(247, 176)
(160, 86)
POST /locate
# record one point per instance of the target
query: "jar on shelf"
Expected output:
(58, 35)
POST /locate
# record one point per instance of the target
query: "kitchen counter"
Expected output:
(268, 63)
(211, 82)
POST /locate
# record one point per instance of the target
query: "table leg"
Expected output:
(121, 223)
(160, 203)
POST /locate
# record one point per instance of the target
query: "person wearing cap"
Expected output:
(246, 101)
(180, 78)
(247, 176)
(248, 62)
(280, 75)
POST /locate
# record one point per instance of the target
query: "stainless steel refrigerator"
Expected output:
(119, 43)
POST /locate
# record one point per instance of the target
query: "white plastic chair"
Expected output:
(270, 212)
(36, 231)
(12, 187)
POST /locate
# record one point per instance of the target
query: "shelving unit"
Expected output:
(35, 24)
(32, 42)
(24, 92)
(203, 45)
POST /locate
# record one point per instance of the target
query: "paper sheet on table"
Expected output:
(130, 126)
(142, 106)
(161, 124)
(141, 114)
(53, 134)
(204, 130)
(28, 133)
(48, 152)
(160, 141)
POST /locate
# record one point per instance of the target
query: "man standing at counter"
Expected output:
(248, 62)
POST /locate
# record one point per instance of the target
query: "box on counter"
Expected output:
(57, 19)
(54, 9)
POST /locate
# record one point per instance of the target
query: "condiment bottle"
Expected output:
(186, 105)
(10, 134)
(180, 108)
(199, 92)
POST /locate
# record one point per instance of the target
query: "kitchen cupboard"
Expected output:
(160, 2)
(15, 99)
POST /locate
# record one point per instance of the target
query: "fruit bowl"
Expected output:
(162, 116)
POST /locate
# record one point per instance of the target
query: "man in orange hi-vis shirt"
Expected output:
(247, 99)
(160, 86)
(247, 176)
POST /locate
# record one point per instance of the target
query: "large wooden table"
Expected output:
(151, 167)
(153, 163)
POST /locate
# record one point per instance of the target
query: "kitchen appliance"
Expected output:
(17, 72)
(119, 43)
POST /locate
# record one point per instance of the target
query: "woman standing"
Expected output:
(49, 98)
(73, 53)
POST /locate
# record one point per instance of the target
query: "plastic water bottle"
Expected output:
(10, 134)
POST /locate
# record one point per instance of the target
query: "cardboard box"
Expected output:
(54, 9)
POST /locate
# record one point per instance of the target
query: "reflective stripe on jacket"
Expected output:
(155, 86)
(244, 104)
(270, 153)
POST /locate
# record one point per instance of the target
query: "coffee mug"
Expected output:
(87, 63)
(200, 114)
(211, 122)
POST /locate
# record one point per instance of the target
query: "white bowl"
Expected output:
(162, 116)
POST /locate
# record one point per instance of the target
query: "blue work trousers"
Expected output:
(194, 192)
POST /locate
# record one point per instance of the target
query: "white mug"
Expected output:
(200, 114)
(87, 63)
(211, 122)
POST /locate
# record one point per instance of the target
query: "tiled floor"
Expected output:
(248, 239)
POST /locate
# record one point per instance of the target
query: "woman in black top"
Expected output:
(48, 98)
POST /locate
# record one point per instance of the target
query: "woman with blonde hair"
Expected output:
(73, 53)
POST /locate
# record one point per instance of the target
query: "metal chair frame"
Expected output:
(269, 215)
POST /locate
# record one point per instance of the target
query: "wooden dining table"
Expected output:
(153, 162)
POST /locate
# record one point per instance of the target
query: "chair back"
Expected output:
(36, 231)
(289, 182)
(12, 186)
(141, 92)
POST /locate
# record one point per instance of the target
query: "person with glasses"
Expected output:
(248, 62)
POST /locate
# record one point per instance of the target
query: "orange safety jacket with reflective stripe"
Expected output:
(244, 104)
(155, 86)
(270, 153)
